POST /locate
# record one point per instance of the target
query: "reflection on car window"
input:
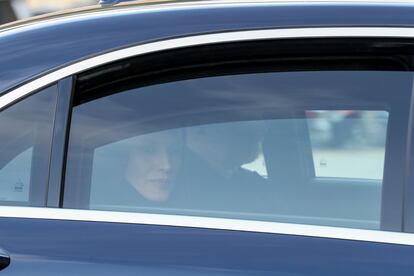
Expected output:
(25, 149)
(238, 146)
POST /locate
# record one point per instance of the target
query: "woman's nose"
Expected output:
(164, 161)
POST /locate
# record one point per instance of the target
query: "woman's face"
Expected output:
(154, 163)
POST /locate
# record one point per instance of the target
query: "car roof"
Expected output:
(175, 3)
(36, 46)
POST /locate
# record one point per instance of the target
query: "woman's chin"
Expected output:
(157, 196)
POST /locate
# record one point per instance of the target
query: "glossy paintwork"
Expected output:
(35, 48)
(125, 249)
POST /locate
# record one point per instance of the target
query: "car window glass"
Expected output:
(25, 148)
(16, 171)
(236, 146)
(348, 143)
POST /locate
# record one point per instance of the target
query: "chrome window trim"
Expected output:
(196, 40)
(207, 223)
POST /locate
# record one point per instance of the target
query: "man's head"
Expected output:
(227, 146)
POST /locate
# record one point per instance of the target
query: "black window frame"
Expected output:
(60, 138)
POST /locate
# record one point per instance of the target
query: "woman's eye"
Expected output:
(149, 150)
(175, 150)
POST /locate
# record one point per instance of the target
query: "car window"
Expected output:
(17, 171)
(348, 143)
(241, 146)
(25, 147)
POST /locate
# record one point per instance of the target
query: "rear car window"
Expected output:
(258, 146)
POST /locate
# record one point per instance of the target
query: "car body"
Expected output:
(82, 92)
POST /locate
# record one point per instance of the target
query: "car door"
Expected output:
(218, 156)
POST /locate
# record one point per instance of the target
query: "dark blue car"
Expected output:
(195, 138)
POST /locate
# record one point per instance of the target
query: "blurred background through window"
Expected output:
(11, 10)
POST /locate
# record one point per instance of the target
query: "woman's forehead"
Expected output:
(162, 137)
